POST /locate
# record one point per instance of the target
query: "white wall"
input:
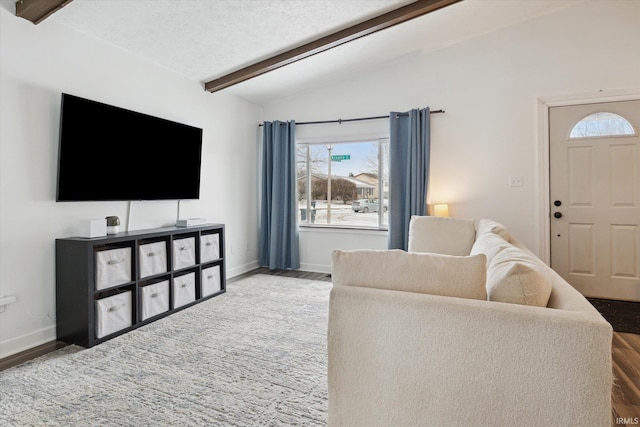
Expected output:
(489, 87)
(37, 63)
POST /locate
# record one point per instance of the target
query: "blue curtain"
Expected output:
(279, 239)
(409, 144)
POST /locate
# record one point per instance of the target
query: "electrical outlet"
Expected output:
(515, 181)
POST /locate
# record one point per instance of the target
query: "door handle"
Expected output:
(557, 215)
(557, 203)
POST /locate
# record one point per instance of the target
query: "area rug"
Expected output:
(254, 356)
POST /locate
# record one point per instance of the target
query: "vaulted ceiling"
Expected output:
(205, 39)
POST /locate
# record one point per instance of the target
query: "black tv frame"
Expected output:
(109, 153)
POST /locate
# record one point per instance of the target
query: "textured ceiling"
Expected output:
(204, 39)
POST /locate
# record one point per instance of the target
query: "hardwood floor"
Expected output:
(625, 355)
(286, 273)
(626, 372)
(32, 353)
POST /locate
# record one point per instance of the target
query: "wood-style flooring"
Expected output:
(625, 354)
(32, 353)
(626, 373)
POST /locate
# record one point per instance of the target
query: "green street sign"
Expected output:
(340, 157)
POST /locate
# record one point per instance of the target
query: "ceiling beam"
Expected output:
(381, 22)
(37, 11)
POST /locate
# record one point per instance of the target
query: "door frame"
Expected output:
(543, 149)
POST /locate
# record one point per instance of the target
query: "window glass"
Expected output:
(355, 195)
(601, 124)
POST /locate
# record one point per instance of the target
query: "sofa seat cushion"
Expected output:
(448, 236)
(513, 276)
(427, 273)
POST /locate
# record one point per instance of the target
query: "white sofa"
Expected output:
(423, 339)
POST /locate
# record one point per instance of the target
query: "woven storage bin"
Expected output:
(113, 267)
(184, 289)
(153, 259)
(113, 314)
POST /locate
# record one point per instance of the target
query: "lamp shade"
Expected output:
(441, 210)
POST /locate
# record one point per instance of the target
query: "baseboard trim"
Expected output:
(241, 269)
(27, 341)
(315, 268)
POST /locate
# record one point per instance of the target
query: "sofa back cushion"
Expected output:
(514, 276)
(448, 236)
(427, 273)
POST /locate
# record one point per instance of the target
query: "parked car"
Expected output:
(367, 205)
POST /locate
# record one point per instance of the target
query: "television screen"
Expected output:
(110, 153)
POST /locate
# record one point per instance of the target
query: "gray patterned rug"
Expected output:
(255, 356)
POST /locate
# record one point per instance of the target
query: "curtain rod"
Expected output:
(340, 121)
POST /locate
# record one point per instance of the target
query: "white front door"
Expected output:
(595, 197)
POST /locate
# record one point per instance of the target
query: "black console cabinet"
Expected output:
(107, 286)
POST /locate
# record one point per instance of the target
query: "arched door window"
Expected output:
(601, 124)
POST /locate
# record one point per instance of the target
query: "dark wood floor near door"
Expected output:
(625, 355)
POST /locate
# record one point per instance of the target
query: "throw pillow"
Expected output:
(513, 276)
(491, 226)
(427, 273)
(489, 244)
(448, 236)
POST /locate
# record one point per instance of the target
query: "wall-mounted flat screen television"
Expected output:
(111, 153)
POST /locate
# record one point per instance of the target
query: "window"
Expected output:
(343, 184)
(601, 124)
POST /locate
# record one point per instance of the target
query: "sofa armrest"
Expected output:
(405, 359)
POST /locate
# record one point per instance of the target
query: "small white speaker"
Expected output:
(190, 222)
(92, 228)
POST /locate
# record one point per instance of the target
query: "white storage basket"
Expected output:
(210, 280)
(113, 314)
(113, 267)
(184, 253)
(155, 299)
(184, 289)
(209, 247)
(153, 259)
